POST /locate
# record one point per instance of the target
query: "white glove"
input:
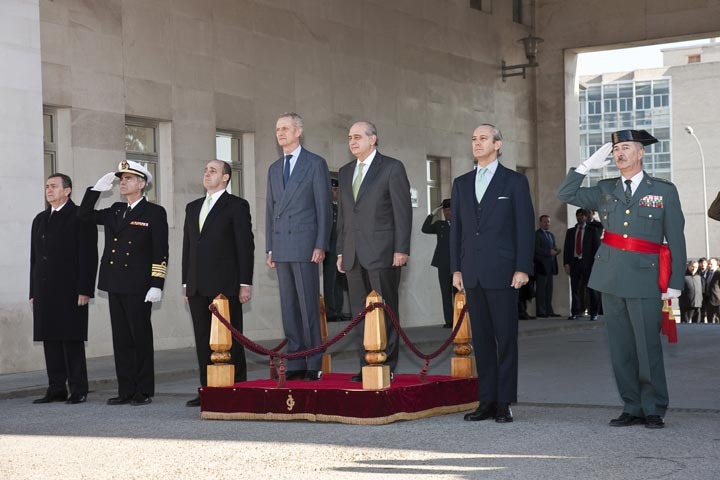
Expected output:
(437, 210)
(671, 293)
(105, 183)
(153, 295)
(597, 160)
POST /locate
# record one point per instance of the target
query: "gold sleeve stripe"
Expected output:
(159, 270)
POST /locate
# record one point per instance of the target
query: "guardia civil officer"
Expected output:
(639, 213)
(132, 270)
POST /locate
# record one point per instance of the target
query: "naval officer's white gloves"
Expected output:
(153, 295)
(671, 293)
(105, 183)
(596, 161)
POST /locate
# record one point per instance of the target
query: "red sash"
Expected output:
(639, 245)
(643, 246)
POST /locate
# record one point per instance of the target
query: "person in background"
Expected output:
(691, 296)
(546, 268)
(441, 256)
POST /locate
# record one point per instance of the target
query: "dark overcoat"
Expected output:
(63, 264)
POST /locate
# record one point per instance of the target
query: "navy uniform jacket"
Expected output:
(491, 241)
(653, 214)
(136, 247)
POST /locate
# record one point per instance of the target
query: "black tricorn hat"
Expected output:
(446, 203)
(641, 136)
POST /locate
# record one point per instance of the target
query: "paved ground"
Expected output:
(567, 395)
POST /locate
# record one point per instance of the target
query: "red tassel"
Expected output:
(273, 369)
(669, 327)
(281, 378)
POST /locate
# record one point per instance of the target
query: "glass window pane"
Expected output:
(223, 147)
(140, 139)
(433, 171)
(236, 183)
(48, 128)
(49, 164)
(643, 88)
(433, 197)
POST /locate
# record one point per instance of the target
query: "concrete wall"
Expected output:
(425, 71)
(21, 191)
(569, 26)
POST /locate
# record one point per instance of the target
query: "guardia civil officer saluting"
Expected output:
(132, 271)
(639, 213)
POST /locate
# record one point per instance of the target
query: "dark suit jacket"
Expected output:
(713, 288)
(63, 265)
(378, 224)
(221, 257)
(714, 209)
(590, 244)
(136, 247)
(492, 241)
(298, 216)
(441, 228)
(545, 264)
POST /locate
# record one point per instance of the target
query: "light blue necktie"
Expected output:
(481, 183)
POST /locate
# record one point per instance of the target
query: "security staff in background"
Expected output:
(63, 264)
(441, 256)
(132, 270)
(332, 279)
(639, 213)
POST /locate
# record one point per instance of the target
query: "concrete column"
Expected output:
(21, 192)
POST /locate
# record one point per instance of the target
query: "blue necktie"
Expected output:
(286, 170)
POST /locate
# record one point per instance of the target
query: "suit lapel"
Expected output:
(215, 211)
(491, 194)
(134, 213)
(298, 174)
(370, 176)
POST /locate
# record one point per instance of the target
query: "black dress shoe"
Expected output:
(447, 325)
(483, 412)
(195, 402)
(542, 316)
(76, 398)
(554, 315)
(524, 316)
(313, 375)
(573, 317)
(356, 378)
(626, 420)
(52, 397)
(294, 374)
(503, 413)
(593, 318)
(654, 421)
(119, 400)
(141, 399)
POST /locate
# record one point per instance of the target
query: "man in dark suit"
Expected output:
(712, 287)
(332, 285)
(63, 264)
(374, 223)
(132, 270)
(581, 243)
(298, 219)
(634, 268)
(546, 268)
(491, 256)
(217, 258)
(441, 257)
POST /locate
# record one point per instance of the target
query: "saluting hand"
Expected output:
(105, 182)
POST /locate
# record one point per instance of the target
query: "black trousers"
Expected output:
(385, 281)
(447, 291)
(332, 289)
(132, 343)
(65, 363)
(202, 318)
(579, 277)
(543, 295)
(494, 323)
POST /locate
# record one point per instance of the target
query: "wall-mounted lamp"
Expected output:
(530, 43)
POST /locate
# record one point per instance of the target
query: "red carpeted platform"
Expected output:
(336, 399)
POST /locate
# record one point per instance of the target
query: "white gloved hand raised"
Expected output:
(153, 295)
(671, 293)
(597, 160)
(105, 183)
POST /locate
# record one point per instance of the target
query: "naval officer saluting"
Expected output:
(633, 268)
(132, 270)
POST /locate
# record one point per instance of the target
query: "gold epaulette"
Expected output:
(159, 270)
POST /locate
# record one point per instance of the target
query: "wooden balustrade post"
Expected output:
(463, 365)
(222, 372)
(375, 375)
(327, 357)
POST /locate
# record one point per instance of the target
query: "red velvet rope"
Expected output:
(272, 353)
